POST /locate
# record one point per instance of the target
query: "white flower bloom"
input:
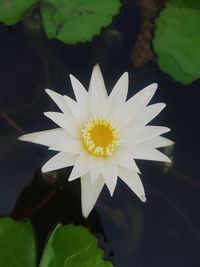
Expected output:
(101, 136)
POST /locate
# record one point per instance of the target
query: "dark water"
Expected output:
(163, 232)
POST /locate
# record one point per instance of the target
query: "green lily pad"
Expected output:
(172, 64)
(17, 244)
(73, 246)
(77, 21)
(11, 11)
(186, 3)
(177, 41)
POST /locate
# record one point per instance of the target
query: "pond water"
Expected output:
(165, 231)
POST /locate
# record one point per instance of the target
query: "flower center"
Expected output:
(99, 137)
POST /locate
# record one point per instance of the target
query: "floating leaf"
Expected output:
(175, 68)
(177, 40)
(186, 3)
(17, 244)
(72, 246)
(78, 20)
(11, 11)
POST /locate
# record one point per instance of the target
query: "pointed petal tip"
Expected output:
(96, 69)
(111, 190)
(73, 177)
(70, 179)
(154, 85)
(163, 104)
(44, 169)
(112, 193)
(96, 66)
(171, 143)
(168, 129)
(143, 198)
(152, 88)
(163, 129)
(47, 114)
(49, 92)
(85, 214)
(125, 74)
(168, 160)
(71, 76)
(20, 138)
(25, 137)
(89, 193)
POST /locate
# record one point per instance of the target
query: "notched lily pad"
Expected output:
(11, 11)
(77, 21)
(177, 40)
(73, 246)
(17, 244)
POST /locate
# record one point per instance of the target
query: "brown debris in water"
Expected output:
(142, 51)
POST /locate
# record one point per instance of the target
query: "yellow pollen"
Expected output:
(99, 137)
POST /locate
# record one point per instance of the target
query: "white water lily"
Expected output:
(101, 136)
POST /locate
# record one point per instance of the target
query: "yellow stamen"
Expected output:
(99, 137)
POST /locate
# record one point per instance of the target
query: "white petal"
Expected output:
(97, 75)
(80, 92)
(118, 95)
(81, 166)
(70, 146)
(46, 138)
(143, 97)
(147, 114)
(59, 100)
(133, 180)
(142, 151)
(138, 135)
(98, 92)
(79, 111)
(109, 173)
(90, 193)
(59, 161)
(126, 160)
(127, 112)
(66, 122)
(159, 141)
(95, 164)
